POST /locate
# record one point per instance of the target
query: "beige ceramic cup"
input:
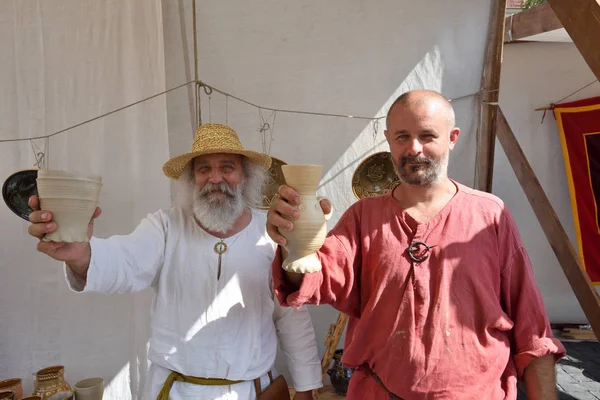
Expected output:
(72, 199)
(89, 389)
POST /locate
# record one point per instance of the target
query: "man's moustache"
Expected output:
(414, 160)
(224, 189)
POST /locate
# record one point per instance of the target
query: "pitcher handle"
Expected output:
(328, 215)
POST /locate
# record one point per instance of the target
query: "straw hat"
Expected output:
(210, 139)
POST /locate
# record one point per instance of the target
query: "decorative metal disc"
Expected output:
(374, 176)
(220, 247)
(274, 180)
(17, 190)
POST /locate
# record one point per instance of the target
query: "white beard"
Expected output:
(218, 212)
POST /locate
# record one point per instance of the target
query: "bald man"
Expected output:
(434, 277)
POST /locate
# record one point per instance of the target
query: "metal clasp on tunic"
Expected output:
(414, 248)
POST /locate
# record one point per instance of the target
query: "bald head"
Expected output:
(416, 99)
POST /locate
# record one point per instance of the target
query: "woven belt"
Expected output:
(176, 376)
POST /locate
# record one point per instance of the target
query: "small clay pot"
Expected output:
(7, 395)
(50, 381)
(12, 384)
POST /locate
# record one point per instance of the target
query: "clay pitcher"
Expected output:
(310, 228)
(51, 382)
(13, 384)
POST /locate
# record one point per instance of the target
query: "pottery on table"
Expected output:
(50, 384)
(13, 384)
(338, 374)
(7, 395)
(89, 389)
(374, 176)
(310, 228)
(66, 395)
(72, 199)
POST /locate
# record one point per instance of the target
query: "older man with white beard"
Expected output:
(437, 283)
(215, 322)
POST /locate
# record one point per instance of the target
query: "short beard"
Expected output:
(218, 212)
(433, 170)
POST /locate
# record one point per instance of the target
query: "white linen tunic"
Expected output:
(205, 326)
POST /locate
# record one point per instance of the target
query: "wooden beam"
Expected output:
(536, 20)
(490, 87)
(581, 20)
(559, 241)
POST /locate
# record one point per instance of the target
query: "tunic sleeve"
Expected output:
(531, 334)
(123, 264)
(337, 283)
(298, 344)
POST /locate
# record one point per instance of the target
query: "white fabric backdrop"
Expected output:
(71, 60)
(340, 56)
(63, 62)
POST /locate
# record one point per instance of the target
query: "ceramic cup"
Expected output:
(72, 199)
(310, 228)
(89, 389)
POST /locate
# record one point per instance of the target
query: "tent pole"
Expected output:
(490, 85)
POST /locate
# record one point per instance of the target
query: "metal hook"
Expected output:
(39, 160)
(375, 129)
(38, 154)
(265, 127)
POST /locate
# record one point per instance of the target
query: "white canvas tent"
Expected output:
(70, 61)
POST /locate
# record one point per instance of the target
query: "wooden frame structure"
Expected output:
(536, 20)
(582, 23)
